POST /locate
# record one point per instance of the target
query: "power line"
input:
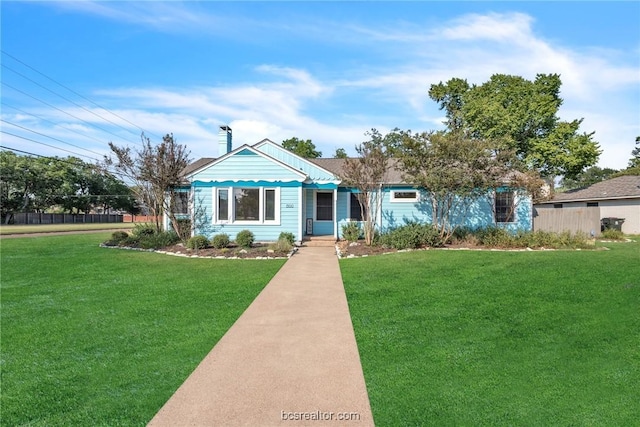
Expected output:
(56, 108)
(53, 123)
(74, 92)
(48, 145)
(66, 99)
(50, 137)
(111, 171)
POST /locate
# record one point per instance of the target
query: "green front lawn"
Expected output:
(95, 336)
(52, 228)
(471, 338)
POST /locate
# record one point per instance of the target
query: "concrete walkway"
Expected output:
(290, 359)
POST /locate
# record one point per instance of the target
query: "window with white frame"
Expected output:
(404, 196)
(247, 205)
(504, 205)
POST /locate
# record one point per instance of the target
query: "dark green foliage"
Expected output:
(351, 231)
(220, 241)
(158, 240)
(245, 238)
(119, 236)
(494, 236)
(289, 237)
(197, 242)
(144, 229)
(412, 235)
(301, 147)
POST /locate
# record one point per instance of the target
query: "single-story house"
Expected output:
(613, 198)
(268, 190)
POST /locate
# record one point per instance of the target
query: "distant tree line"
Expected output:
(63, 185)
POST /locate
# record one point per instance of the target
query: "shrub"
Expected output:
(612, 234)
(351, 231)
(158, 240)
(282, 245)
(494, 236)
(197, 242)
(119, 236)
(411, 236)
(244, 238)
(220, 241)
(289, 237)
(144, 229)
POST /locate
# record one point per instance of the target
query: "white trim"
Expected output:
(279, 147)
(393, 199)
(335, 213)
(300, 173)
(301, 218)
(231, 206)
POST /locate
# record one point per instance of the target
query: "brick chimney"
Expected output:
(224, 140)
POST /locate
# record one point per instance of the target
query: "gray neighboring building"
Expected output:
(616, 198)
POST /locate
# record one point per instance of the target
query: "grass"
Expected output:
(51, 228)
(95, 336)
(499, 338)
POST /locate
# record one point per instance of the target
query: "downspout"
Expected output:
(335, 212)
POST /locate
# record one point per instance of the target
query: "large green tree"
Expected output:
(524, 115)
(590, 176)
(301, 147)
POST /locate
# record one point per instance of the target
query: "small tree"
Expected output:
(155, 172)
(366, 173)
(454, 170)
(303, 148)
(340, 153)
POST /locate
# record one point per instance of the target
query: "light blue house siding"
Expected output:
(477, 214)
(247, 165)
(395, 213)
(207, 224)
(314, 172)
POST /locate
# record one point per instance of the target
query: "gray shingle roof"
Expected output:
(336, 166)
(197, 165)
(622, 187)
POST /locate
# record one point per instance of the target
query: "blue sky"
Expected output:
(325, 71)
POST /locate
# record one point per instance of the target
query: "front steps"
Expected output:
(318, 241)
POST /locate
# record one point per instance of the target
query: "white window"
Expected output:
(247, 205)
(399, 196)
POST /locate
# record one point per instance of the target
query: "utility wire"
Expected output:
(53, 123)
(67, 99)
(48, 145)
(50, 137)
(111, 171)
(56, 108)
(74, 92)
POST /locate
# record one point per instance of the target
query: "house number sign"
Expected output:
(289, 205)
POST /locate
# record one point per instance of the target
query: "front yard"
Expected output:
(92, 336)
(499, 338)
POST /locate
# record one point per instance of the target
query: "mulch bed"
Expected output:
(234, 252)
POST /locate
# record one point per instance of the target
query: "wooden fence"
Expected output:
(574, 219)
(52, 218)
